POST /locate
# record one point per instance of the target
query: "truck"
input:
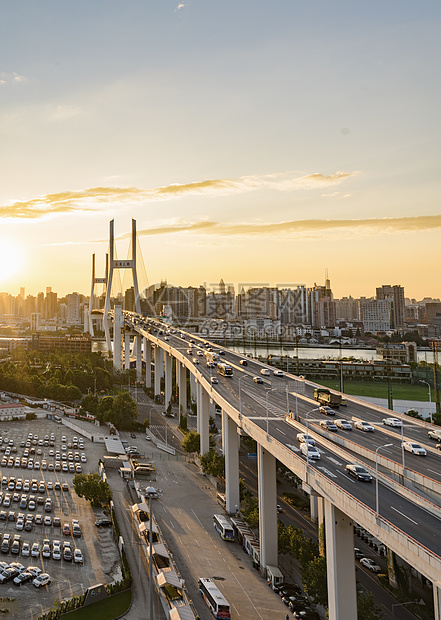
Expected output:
(326, 397)
(211, 358)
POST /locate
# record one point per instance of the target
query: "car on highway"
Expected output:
(310, 451)
(214, 380)
(344, 402)
(328, 425)
(364, 426)
(344, 425)
(278, 373)
(195, 360)
(370, 564)
(243, 362)
(326, 410)
(415, 448)
(358, 553)
(303, 437)
(265, 372)
(358, 472)
(435, 434)
(392, 422)
(257, 379)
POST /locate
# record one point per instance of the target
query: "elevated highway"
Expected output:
(403, 511)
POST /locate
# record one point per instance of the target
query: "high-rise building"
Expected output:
(396, 295)
(376, 315)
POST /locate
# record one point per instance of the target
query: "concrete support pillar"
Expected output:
(342, 593)
(168, 379)
(436, 600)
(193, 388)
(181, 371)
(148, 363)
(231, 452)
(321, 524)
(117, 324)
(266, 467)
(127, 350)
(313, 507)
(203, 418)
(158, 368)
(223, 430)
(138, 353)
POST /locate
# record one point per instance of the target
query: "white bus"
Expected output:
(223, 527)
(225, 370)
(214, 599)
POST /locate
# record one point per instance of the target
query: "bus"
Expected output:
(225, 370)
(217, 604)
(223, 527)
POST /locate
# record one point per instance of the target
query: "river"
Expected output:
(326, 353)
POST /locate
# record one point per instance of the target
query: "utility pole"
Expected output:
(435, 378)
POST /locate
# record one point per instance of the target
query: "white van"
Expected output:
(265, 371)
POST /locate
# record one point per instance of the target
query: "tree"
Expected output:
(367, 609)
(191, 442)
(314, 579)
(125, 411)
(213, 464)
(92, 488)
(105, 409)
(90, 403)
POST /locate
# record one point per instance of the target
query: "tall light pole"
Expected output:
(307, 436)
(402, 442)
(150, 491)
(240, 399)
(430, 398)
(387, 445)
(267, 419)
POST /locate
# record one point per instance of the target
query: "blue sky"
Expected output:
(252, 141)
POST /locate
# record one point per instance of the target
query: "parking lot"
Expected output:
(39, 507)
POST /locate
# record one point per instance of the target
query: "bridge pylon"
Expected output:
(96, 280)
(120, 264)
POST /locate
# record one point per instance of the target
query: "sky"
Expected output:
(258, 142)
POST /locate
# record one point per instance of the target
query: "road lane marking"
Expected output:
(403, 515)
(326, 471)
(434, 472)
(280, 431)
(293, 448)
(342, 474)
(197, 518)
(331, 458)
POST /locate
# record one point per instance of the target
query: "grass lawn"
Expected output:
(108, 609)
(375, 389)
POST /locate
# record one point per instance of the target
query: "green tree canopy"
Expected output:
(92, 488)
(125, 411)
(191, 442)
(213, 464)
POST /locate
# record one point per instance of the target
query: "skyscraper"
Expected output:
(396, 295)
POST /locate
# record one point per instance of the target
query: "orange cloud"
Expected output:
(93, 199)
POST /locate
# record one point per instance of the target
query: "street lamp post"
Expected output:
(402, 442)
(307, 436)
(420, 602)
(430, 398)
(387, 445)
(150, 491)
(240, 396)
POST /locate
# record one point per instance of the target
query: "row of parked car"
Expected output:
(46, 550)
(19, 574)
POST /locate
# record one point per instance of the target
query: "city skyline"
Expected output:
(258, 144)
